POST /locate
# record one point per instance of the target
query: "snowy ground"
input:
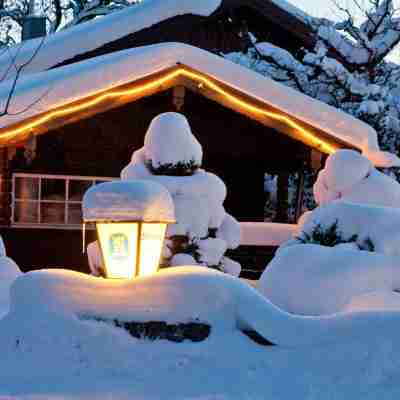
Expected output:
(49, 354)
(213, 370)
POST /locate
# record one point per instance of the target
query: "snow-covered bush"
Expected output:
(317, 280)
(172, 156)
(350, 176)
(330, 236)
(351, 225)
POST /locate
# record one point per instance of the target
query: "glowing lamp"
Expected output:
(131, 219)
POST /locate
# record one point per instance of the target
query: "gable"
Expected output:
(80, 90)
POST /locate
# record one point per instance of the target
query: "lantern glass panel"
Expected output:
(152, 238)
(118, 244)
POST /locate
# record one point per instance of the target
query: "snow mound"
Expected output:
(317, 280)
(54, 302)
(171, 296)
(350, 176)
(379, 224)
(9, 272)
(128, 201)
(345, 168)
(169, 140)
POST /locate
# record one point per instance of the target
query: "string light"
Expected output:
(202, 83)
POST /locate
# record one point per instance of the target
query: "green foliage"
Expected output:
(181, 168)
(331, 236)
(181, 244)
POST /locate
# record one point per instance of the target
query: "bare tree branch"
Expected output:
(19, 69)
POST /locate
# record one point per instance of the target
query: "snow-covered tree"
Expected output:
(346, 68)
(172, 156)
(350, 176)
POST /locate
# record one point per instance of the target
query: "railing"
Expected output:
(39, 200)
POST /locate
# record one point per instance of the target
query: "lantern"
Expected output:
(131, 219)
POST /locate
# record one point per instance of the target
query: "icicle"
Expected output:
(83, 238)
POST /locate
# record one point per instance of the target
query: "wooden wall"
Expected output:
(236, 148)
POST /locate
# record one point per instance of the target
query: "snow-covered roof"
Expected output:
(82, 38)
(91, 35)
(313, 121)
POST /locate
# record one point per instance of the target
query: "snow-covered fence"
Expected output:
(49, 200)
(258, 243)
(265, 233)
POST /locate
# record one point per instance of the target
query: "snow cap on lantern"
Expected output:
(137, 200)
(169, 141)
(131, 220)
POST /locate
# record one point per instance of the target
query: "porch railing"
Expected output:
(39, 200)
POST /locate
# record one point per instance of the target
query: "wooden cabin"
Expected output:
(87, 109)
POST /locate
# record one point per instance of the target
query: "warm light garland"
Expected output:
(203, 82)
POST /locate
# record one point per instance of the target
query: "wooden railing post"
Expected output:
(5, 188)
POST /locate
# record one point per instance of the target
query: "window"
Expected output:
(49, 200)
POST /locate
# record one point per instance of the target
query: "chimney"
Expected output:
(33, 27)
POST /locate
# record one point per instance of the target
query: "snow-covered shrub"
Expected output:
(169, 149)
(330, 236)
(172, 156)
(351, 225)
(318, 280)
(350, 176)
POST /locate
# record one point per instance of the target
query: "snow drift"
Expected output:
(181, 294)
(317, 280)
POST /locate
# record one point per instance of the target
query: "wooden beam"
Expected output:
(178, 97)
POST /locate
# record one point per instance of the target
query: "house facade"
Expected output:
(85, 110)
